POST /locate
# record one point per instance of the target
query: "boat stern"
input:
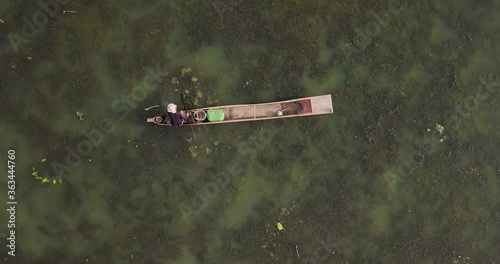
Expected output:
(322, 104)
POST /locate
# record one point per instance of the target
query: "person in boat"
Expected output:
(176, 118)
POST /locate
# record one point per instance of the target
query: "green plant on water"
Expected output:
(440, 128)
(185, 71)
(80, 115)
(174, 81)
(43, 180)
(190, 86)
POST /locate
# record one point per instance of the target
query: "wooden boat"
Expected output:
(315, 105)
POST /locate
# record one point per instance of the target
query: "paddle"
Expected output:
(189, 120)
(151, 107)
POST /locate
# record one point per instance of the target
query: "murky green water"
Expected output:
(376, 182)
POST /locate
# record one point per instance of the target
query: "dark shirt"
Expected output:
(175, 119)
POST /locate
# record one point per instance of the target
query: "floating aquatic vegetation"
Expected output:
(207, 150)
(190, 86)
(440, 128)
(43, 180)
(80, 115)
(185, 71)
(212, 100)
(195, 151)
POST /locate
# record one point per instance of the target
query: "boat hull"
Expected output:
(308, 106)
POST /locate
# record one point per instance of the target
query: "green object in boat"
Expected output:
(214, 115)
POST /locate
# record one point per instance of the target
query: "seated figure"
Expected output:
(176, 118)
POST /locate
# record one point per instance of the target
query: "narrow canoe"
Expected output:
(315, 105)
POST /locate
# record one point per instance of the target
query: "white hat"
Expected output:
(172, 108)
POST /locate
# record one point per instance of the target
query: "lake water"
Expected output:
(406, 169)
